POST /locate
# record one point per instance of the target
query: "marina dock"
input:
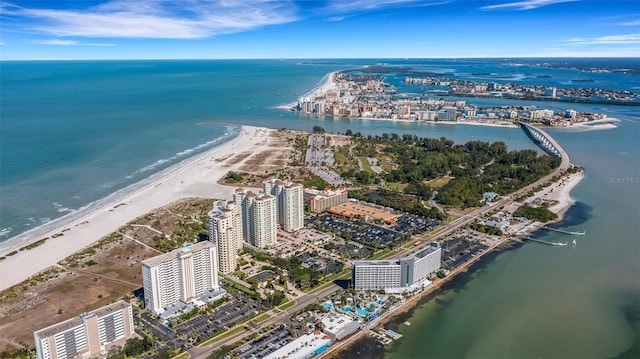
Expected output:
(385, 336)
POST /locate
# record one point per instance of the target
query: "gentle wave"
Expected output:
(35, 225)
(180, 154)
(61, 209)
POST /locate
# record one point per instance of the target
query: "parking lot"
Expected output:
(462, 247)
(410, 223)
(222, 318)
(265, 344)
(356, 230)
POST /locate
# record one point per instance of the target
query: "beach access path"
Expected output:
(193, 177)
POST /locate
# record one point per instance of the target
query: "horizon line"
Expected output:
(329, 58)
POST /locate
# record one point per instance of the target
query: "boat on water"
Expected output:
(574, 241)
(407, 324)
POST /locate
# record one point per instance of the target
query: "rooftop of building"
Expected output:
(221, 209)
(157, 260)
(376, 263)
(327, 192)
(77, 320)
(303, 347)
(334, 322)
(425, 251)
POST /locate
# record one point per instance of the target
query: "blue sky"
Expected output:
(215, 29)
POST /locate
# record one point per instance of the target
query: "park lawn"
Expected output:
(396, 186)
(366, 166)
(439, 182)
(341, 159)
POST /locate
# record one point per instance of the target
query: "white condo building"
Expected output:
(259, 217)
(180, 275)
(86, 335)
(225, 230)
(290, 203)
(397, 275)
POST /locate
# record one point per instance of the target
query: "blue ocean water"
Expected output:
(74, 132)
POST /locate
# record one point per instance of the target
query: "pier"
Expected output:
(555, 244)
(574, 233)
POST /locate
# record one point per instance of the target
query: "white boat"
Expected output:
(407, 324)
(574, 241)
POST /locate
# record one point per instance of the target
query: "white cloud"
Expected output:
(167, 19)
(524, 5)
(630, 23)
(341, 6)
(61, 42)
(607, 40)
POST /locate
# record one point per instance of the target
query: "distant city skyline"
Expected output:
(223, 29)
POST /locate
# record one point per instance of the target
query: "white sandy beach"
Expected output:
(325, 85)
(561, 192)
(194, 177)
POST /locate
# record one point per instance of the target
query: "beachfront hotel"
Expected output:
(397, 275)
(259, 217)
(321, 200)
(225, 230)
(181, 275)
(86, 335)
(289, 203)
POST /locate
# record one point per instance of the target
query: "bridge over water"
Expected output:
(547, 143)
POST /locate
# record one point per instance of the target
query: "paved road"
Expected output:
(280, 318)
(303, 301)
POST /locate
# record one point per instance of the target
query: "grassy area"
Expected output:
(341, 159)
(328, 281)
(228, 333)
(261, 318)
(396, 186)
(240, 287)
(439, 182)
(287, 305)
(465, 211)
(184, 355)
(380, 255)
(386, 163)
(366, 166)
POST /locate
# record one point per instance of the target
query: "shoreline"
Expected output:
(46, 229)
(326, 83)
(193, 177)
(565, 201)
